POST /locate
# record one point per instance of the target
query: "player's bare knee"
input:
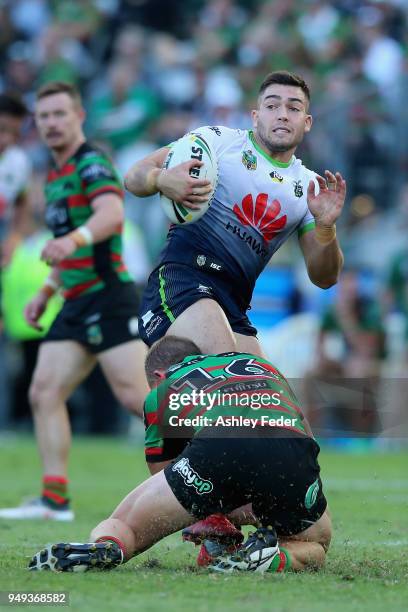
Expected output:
(131, 399)
(44, 392)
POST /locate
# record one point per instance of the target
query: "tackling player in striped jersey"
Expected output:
(262, 474)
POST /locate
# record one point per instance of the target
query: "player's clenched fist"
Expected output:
(58, 249)
(178, 185)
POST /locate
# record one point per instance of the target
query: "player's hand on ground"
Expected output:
(178, 185)
(34, 309)
(58, 249)
(326, 206)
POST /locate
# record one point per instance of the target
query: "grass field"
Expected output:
(367, 568)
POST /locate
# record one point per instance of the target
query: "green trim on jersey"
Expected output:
(232, 385)
(270, 159)
(164, 304)
(306, 228)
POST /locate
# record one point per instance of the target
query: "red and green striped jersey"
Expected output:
(217, 391)
(69, 192)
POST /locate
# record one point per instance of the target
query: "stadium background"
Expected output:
(151, 70)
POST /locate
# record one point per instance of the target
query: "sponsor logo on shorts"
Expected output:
(153, 325)
(201, 259)
(93, 318)
(311, 494)
(204, 289)
(148, 316)
(133, 326)
(191, 478)
(94, 334)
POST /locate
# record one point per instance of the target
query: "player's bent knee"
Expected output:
(131, 399)
(43, 392)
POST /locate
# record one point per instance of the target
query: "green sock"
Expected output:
(280, 562)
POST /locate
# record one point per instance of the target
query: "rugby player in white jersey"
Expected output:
(15, 171)
(203, 283)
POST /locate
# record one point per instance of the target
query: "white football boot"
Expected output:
(36, 509)
(254, 555)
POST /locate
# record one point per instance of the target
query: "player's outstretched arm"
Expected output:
(320, 247)
(148, 177)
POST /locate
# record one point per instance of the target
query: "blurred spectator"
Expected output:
(19, 70)
(15, 169)
(30, 17)
(397, 273)
(123, 113)
(20, 281)
(383, 55)
(351, 345)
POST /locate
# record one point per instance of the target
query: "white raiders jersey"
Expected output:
(15, 172)
(258, 203)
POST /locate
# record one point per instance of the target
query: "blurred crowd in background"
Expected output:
(150, 70)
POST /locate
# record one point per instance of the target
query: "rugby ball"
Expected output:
(191, 146)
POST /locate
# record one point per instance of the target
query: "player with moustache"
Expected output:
(98, 321)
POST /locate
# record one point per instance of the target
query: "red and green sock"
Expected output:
(113, 540)
(282, 562)
(55, 492)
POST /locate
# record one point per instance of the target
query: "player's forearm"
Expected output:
(51, 284)
(324, 263)
(141, 180)
(106, 221)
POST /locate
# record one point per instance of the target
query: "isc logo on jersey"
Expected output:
(191, 146)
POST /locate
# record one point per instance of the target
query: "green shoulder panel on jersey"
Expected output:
(69, 193)
(214, 386)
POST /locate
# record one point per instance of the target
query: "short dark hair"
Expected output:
(166, 352)
(56, 87)
(283, 77)
(12, 104)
